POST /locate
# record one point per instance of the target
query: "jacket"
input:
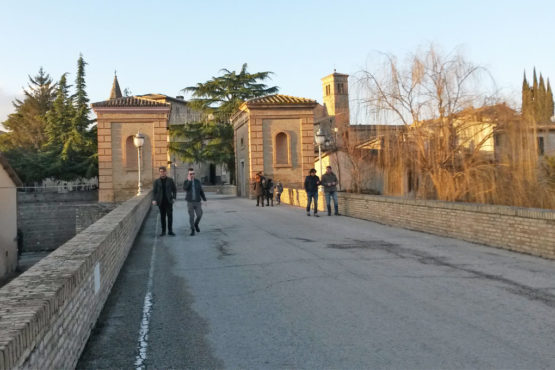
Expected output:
(327, 180)
(199, 193)
(171, 190)
(258, 188)
(311, 184)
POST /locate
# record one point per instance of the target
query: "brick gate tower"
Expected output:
(118, 120)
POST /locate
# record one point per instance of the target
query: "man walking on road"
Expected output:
(329, 180)
(193, 187)
(311, 183)
(164, 194)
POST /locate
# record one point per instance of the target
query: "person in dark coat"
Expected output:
(258, 188)
(269, 192)
(164, 193)
(193, 187)
(329, 180)
(311, 183)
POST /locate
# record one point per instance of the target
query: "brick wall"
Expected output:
(48, 220)
(47, 313)
(525, 230)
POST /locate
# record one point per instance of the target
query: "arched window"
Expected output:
(130, 153)
(282, 149)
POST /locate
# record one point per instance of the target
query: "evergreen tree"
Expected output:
(549, 101)
(23, 143)
(211, 140)
(526, 99)
(541, 105)
(27, 125)
(59, 127)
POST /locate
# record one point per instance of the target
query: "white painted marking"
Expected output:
(97, 277)
(142, 345)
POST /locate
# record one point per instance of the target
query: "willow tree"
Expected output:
(211, 139)
(433, 95)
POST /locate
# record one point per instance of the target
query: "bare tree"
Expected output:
(442, 151)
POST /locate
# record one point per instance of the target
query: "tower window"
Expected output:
(541, 148)
(340, 88)
(328, 90)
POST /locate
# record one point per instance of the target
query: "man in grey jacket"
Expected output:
(329, 180)
(164, 193)
(193, 187)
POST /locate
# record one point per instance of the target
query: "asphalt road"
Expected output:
(270, 288)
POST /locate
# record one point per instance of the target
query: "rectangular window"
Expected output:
(340, 89)
(328, 90)
(541, 149)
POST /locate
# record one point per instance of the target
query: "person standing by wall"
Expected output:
(329, 180)
(164, 194)
(193, 187)
(269, 191)
(258, 188)
(311, 183)
(279, 190)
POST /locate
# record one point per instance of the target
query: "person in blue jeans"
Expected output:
(311, 183)
(329, 180)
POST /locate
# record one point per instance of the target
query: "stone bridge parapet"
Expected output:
(47, 313)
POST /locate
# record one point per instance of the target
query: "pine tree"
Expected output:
(23, 143)
(59, 127)
(218, 99)
(27, 125)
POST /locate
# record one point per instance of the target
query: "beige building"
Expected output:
(8, 218)
(274, 135)
(118, 119)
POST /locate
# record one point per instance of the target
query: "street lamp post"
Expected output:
(138, 141)
(320, 139)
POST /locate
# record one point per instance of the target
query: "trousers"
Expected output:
(309, 196)
(194, 208)
(166, 211)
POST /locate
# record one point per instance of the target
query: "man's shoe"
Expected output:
(162, 233)
(192, 232)
(308, 213)
(197, 228)
(171, 233)
(316, 215)
(338, 214)
(329, 213)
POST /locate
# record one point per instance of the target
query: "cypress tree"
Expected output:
(526, 98)
(541, 114)
(549, 101)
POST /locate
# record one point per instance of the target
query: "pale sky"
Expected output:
(164, 46)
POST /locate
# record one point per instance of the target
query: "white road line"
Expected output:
(142, 344)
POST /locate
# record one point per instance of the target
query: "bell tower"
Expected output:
(335, 90)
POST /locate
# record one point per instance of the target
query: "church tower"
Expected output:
(336, 97)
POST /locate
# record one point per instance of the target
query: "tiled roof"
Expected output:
(129, 101)
(278, 99)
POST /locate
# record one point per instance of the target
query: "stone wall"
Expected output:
(525, 230)
(47, 313)
(221, 189)
(48, 220)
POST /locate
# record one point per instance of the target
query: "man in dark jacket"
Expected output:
(193, 187)
(329, 180)
(164, 194)
(311, 183)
